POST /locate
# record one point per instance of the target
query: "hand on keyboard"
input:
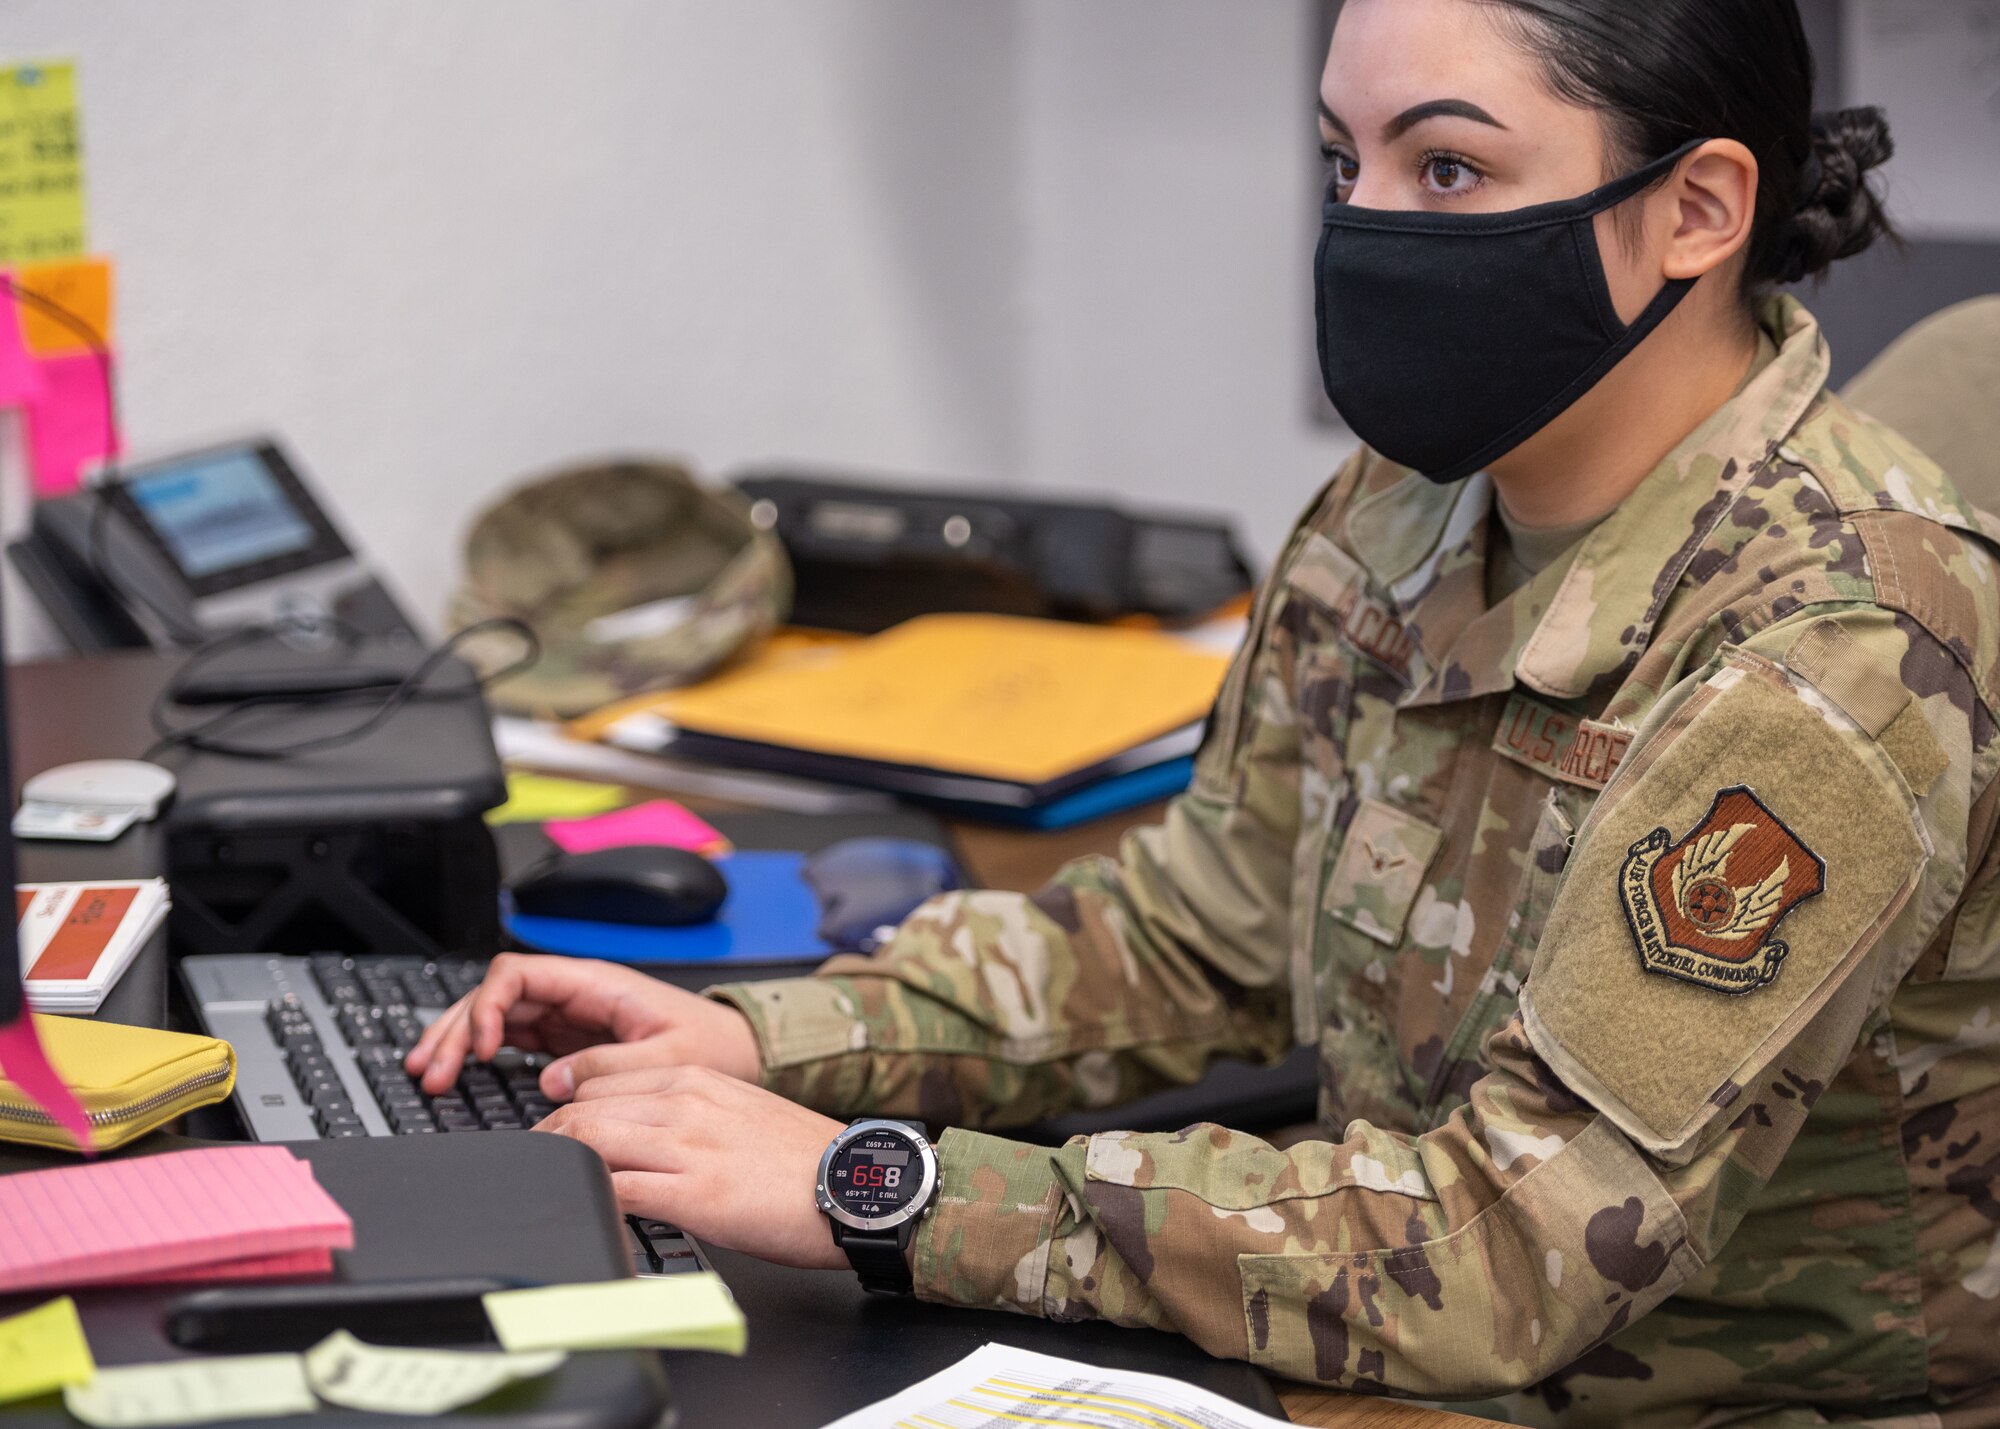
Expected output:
(594, 1017)
(729, 1163)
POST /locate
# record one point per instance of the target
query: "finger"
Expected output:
(621, 1145)
(447, 1051)
(642, 1081)
(505, 985)
(649, 1110)
(421, 1054)
(562, 1077)
(649, 1194)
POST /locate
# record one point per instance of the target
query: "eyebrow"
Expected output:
(1416, 114)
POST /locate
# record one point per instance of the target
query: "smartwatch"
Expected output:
(876, 1181)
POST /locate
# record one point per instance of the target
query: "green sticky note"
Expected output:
(193, 1391)
(670, 1312)
(389, 1380)
(41, 164)
(43, 1349)
(533, 798)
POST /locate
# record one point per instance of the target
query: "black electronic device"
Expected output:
(645, 884)
(173, 551)
(372, 845)
(865, 556)
(320, 1043)
(877, 1179)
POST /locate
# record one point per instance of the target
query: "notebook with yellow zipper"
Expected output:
(130, 1080)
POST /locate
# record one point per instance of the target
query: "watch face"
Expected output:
(876, 1174)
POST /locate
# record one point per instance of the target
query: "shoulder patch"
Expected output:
(1778, 896)
(1704, 909)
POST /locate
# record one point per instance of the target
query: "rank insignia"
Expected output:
(1704, 909)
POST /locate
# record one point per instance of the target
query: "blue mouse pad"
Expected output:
(769, 917)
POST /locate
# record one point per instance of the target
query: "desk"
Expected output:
(96, 708)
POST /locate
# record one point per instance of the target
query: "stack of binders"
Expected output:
(1042, 724)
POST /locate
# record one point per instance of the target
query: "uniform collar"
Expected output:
(1580, 623)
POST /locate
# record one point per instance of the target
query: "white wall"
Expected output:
(1172, 213)
(440, 246)
(1934, 65)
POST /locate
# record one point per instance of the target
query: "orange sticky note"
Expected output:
(82, 285)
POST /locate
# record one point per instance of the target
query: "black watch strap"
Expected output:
(877, 1257)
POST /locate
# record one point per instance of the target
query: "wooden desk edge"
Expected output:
(1333, 1409)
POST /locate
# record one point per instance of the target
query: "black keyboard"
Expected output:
(379, 1004)
(320, 1043)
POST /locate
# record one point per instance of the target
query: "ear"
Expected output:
(1706, 211)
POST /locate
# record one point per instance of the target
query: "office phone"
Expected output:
(178, 550)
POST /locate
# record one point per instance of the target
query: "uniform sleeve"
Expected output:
(1781, 842)
(990, 1008)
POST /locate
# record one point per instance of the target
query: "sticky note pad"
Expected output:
(71, 428)
(386, 1379)
(193, 1391)
(658, 822)
(41, 163)
(81, 286)
(43, 1349)
(675, 1312)
(132, 1219)
(534, 797)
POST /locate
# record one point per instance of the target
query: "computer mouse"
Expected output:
(866, 886)
(644, 883)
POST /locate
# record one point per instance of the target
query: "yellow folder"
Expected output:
(989, 695)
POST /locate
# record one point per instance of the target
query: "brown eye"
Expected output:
(1448, 174)
(1343, 171)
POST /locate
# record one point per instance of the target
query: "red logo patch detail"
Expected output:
(1704, 909)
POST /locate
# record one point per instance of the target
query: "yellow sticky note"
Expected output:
(672, 1312)
(532, 798)
(41, 164)
(43, 1349)
(80, 285)
(193, 1391)
(390, 1380)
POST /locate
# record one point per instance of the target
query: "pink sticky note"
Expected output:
(292, 1265)
(26, 1065)
(69, 425)
(20, 370)
(143, 1216)
(659, 822)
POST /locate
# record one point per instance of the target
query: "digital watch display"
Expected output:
(876, 1180)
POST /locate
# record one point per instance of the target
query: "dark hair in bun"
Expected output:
(1839, 212)
(1663, 72)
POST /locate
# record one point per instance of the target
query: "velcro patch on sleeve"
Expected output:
(1709, 914)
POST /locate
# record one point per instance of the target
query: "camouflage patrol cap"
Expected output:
(634, 576)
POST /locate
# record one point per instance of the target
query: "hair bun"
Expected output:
(1839, 212)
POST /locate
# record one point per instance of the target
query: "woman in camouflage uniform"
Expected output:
(1617, 820)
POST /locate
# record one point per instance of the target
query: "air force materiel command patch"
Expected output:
(1704, 909)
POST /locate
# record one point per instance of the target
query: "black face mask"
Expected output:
(1448, 339)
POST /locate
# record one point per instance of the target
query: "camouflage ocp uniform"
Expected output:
(1647, 924)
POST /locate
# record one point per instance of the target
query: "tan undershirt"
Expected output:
(1519, 553)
